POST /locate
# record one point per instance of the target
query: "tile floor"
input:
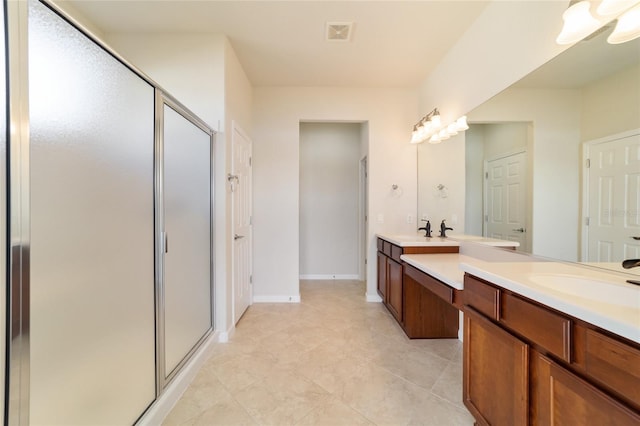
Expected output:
(333, 359)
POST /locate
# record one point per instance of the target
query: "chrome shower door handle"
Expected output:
(519, 230)
(237, 237)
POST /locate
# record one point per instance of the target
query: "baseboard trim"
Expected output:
(276, 299)
(374, 298)
(225, 336)
(163, 405)
(330, 277)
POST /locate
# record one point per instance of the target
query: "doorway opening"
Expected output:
(331, 208)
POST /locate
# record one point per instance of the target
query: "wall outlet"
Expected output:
(380, 218)
(409, 218)
(454, 219)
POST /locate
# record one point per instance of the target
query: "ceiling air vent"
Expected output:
(339, 31)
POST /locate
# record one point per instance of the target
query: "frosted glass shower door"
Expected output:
(187, 223)
(92, 231)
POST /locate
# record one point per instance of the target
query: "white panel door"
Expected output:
(506, 201)
(614, 200)
(241, 207)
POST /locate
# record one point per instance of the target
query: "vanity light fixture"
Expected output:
(579, 21)
(430, 128)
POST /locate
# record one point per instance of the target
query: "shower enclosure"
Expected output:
(110, 228)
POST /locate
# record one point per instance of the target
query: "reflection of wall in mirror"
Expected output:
(438, 164)
(562, 120)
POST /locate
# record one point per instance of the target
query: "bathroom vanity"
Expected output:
(425, 306)
(409, 303)
(544, 342)
(547, 342)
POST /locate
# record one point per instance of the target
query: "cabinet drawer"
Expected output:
(482, 297)
(396, 252)
(380, 244)
(539, 325)
(613, 363)
(441, 290)
(386, 248)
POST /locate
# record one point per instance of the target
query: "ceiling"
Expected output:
(282, 43)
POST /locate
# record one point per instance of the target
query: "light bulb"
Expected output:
(578, 23)
(451, 129)
(435, 120)
(434, 139)
(461, 123)
(444, 135)
(627, 28)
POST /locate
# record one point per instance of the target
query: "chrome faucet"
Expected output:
(444, 229)
(426, 228)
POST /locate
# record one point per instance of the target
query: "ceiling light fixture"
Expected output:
(430, 128)
(627, 28)
(579, 22)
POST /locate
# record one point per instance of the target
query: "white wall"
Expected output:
(329, 191)
(504, 138)
(507, 41)
(611, 105)
(277, 114)
(554, 158)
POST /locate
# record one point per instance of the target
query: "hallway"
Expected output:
(333, 359)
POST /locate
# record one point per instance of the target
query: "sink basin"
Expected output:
(622, 294)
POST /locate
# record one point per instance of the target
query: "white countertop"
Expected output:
(600, 298)
(453, 240)
(442, 266)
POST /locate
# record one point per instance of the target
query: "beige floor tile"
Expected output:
(332, 360)
(203, 393)
(226, 412)
(281, 399)
(333, 412)
(449, 385)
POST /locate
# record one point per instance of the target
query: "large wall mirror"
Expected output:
(555, 158)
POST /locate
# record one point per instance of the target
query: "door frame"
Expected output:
(584, 206)
(363, 217)
(235, 127)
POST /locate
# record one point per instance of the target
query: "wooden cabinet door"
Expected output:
(559, 397)
(495, 373)
(382, 276)
(394, 286)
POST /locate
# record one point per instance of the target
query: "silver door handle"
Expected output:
(237, 237)
(518, 230)
(636, 238)
(166, 243)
